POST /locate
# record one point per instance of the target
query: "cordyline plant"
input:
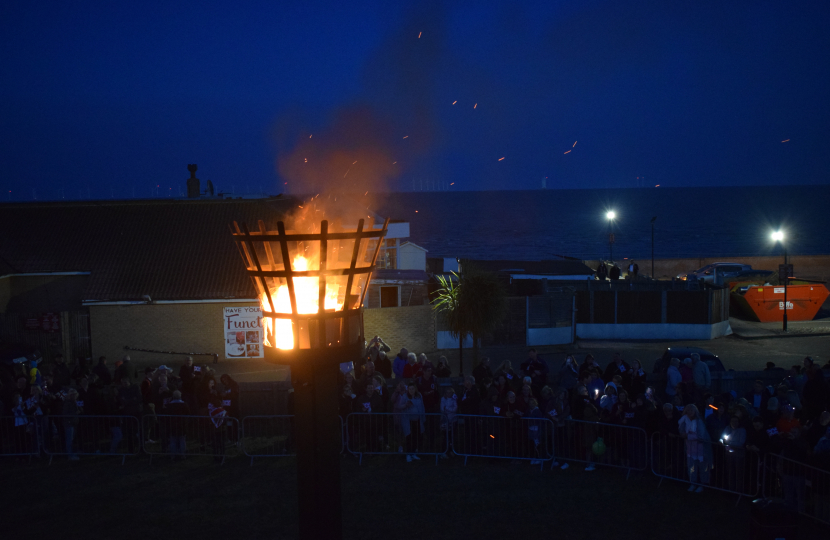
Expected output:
(473, 303)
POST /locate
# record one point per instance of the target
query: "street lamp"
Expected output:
(311, 285)
(610, 215)
(778, 236)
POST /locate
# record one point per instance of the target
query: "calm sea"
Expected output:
(691, 222)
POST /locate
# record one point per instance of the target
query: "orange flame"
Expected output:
(306, 292)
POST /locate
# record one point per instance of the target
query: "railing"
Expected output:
(722, 467)
(19, 435)
(268, 436)
(503, 438)
(179, 436)
(393, 433)
(608, 445)
(802, 486)
(90, 435)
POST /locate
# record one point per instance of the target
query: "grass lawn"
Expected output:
(385, 498)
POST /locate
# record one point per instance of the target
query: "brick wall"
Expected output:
(412, 294)
(163, 327)
(411, 327)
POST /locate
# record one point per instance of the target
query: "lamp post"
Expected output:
(311, 287)
(610, 215)
(778, 236)
(652, 245)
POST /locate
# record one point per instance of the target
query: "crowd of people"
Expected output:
(32, 392)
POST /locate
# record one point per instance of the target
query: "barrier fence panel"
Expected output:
(802, 486)
(393, 433)
(596, 443)
(502, 437)
(19, 436)
(179, 436)
(722, 467)
(90, 435)
(268, 436)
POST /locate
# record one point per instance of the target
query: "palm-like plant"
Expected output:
(473, 306)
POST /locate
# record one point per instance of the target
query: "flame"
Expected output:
(306, 292)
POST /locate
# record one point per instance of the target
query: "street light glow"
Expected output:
(611, 214)
(778, 236)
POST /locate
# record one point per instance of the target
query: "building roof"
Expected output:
(566, 267)
(177, 249)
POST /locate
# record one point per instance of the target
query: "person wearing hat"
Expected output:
(126, 370)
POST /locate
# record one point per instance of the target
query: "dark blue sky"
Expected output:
(103, 100)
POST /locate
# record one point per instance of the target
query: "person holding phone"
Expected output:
(412, 421)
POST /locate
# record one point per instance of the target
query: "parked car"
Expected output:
(719, 273)
(661, 365)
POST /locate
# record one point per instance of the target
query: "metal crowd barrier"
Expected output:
(802, 486)
(733, 470)
(179, 436)
(503, 438)
(18, 438)
(624, 447)
(90, 435)
(268, 436)
(393, 433)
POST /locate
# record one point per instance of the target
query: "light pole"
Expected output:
(778, 236)
(652, 245)
(610, 215)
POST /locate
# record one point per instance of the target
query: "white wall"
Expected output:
(412, 257)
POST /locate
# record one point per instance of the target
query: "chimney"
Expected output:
(193, 188)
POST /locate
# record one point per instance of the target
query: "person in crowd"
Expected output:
(617, 367)
(717, 421)
(373, 350)
(506, 370)
(470, 399)
(638, 381)
(126, 369)
(771, 414)
(146, 388)
(535, 433)
(482, 370)
(602, 271)
(449, 408)
(413, 421)
(383, 365)
(781, 393)
(70, 412)
(442, 370)
(399, 363)
(614, 272)
(176, 428)
(347, 397)
(557, 408)
(81, 369)
(589, 364)
(61, 374)
(162, 393)
(536, 368)
(367, 375)
(524, 397)
(368, 401)
(207, 395)
(770, 366)
(586, 410)
(816, 393)
(788, 421)
(349, 379)
(759, 396)
(685, 368)
(596, 388)
(815, 430)
(502, 386)
(757, 438)
(608, 399)
(381, 390)
(102, 371)
(412, 368)
(569, 373)
(621, 412)
(187, 376)
(423, 362)
(734, 440)
(230, 395)
(88, 397)
(427, 384)
(673, 377)
(698, 448)
(700, 375)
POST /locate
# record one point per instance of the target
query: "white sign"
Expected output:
(778, 290)
(242, 328)
(781, 305)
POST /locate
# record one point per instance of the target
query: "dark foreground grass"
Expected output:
(385, 498)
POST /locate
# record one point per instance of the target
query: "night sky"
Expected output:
(102, 100)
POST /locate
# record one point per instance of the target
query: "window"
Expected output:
(389, 297)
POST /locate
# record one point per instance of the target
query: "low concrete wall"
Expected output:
(653, 331)
(549, 336)
(807, 267)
